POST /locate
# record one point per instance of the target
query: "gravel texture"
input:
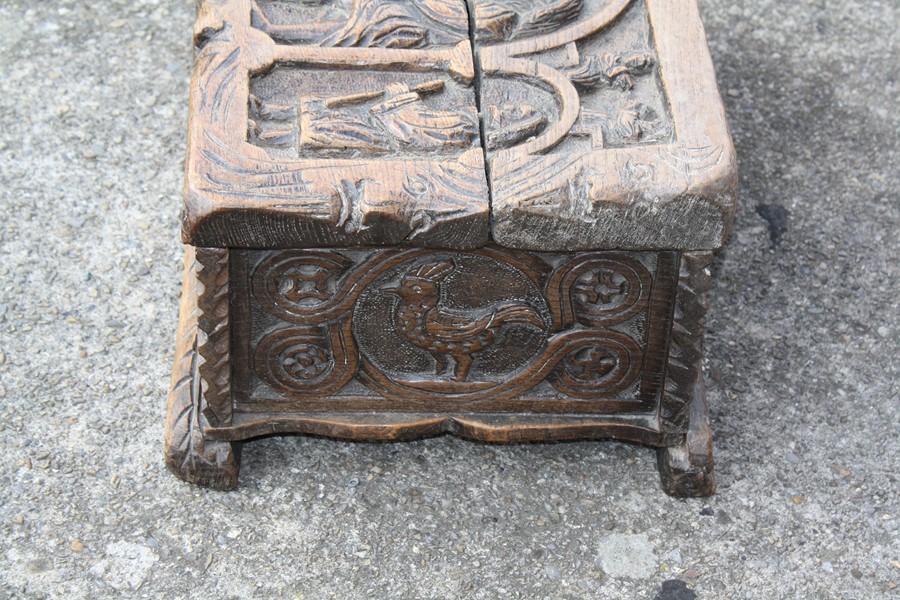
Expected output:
(802, 358)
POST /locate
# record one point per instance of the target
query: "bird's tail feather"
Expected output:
(519, 313)
(435, 270)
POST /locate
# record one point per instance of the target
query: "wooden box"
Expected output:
(410, 218)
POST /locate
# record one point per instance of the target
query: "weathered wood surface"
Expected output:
(687, 469)
(360, 271)
(342, 123)
(627, 147)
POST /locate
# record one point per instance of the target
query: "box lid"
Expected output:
(334, 124)
(630, 147)
(354, 122)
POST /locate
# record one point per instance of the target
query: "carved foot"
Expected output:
(210, 463)
(687, 470)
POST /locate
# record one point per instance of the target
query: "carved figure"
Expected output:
(456, 334)
(400, 119)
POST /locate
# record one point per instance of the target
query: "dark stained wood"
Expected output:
(356, 270)
(214, 323)
(540, 333)
(685, 348)
(687, 469)
(189, 453)
(500, 428)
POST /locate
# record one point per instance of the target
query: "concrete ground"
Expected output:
(802, 358)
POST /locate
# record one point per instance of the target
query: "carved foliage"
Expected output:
(292, 103)
(601, 74)
(620, 139)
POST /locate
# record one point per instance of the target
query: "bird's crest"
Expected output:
(434, 271)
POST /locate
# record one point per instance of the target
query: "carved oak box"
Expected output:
(492, 219)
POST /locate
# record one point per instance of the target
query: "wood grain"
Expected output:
(629, 156)
(368, 132)
(487, 218)
(189, 453)
(354, 139)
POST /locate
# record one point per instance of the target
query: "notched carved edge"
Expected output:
(212, 464)
(215, 327)
(686, 339)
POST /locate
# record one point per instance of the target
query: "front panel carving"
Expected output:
(476, 331)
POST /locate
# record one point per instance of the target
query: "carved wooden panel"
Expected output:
(488, 330)
(603, 125)
(334, 123)
(489, 218)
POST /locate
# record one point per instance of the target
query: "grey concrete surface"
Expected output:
(802, 358)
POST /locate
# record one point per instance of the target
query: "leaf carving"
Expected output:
(381, 24)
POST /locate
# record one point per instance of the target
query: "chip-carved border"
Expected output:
(214, 324)
(686, 340)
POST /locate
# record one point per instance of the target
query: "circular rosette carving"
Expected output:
(306, 360)
(296, 285)
(599, 290)
(603, 366)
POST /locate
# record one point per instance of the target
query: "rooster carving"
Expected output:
(445, 333)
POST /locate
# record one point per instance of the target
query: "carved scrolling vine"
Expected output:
(412, 324)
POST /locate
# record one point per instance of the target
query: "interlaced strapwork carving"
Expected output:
(471, 328)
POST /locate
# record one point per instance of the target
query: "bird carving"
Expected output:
(447, 333)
